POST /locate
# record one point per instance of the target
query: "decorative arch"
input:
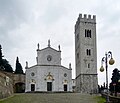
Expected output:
(49, 77)
(65, 82)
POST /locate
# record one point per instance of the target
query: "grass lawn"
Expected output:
(53, 98)
(100, 99)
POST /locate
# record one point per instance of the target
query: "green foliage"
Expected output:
(115, 85)
(1, 53)
(100, 99)
(19, 69)
(4, 64)
(7, 66)
(115, 75)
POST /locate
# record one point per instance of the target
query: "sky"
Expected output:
(25, 23)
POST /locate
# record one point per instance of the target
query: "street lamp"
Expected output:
(111, 62)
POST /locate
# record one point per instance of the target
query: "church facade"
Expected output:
(48, 74)
(86, 54)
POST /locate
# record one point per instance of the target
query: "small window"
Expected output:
(65, 74)
(85, 33)
(88, 65)
(32, 74)
(78, 55)
(77, 37)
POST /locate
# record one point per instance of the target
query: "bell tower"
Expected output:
(86, 54)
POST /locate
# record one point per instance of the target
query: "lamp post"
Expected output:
(111, 62)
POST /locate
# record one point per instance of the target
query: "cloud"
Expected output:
(24, 23)
(53, 13)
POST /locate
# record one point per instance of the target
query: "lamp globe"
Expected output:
(102, 69)
(111, 61)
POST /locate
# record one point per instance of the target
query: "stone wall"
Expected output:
(86, 54)
(6, 85)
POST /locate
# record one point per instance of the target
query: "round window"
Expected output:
(49, 57)
(65, 75)
(32, 74)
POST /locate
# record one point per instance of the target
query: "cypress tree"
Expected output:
(1, 53)
(1, 56)
(7, 66)
(19, 69)
(114, 85)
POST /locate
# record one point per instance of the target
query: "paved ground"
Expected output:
(51, 98)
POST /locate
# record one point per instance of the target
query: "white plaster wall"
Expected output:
(29, 78)
(42, 71)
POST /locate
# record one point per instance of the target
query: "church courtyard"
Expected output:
(53, 98)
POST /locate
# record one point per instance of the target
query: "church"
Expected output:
(48, 75)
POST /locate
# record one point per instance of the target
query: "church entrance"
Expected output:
(49, 86)
(65, 87)
(32, 87)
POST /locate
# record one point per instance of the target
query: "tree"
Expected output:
(19, 69)
(114, 85)
(1, 53)
(1, 56)
(7, 66)
(4, 64)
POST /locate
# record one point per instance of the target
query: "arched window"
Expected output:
(90, 33)
(85, 33)
(87, 51)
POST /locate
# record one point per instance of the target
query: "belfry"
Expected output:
(86, 54)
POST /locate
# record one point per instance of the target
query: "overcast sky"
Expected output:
(24, 23)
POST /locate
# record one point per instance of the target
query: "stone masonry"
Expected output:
(86, 54)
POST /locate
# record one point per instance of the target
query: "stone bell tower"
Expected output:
(86, 54)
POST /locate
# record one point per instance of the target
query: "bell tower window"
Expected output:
(88, 52)
(88, 33)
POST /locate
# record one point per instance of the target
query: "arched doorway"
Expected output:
(19, 87)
